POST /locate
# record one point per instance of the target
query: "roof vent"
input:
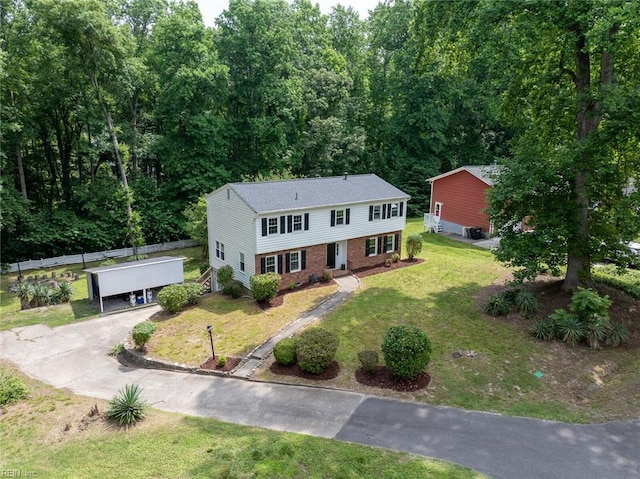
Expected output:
(296, 195)
(345, 175)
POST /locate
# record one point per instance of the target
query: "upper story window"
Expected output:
(285, 224)
(386, 211)
(297, 222)
(377, 212)
(273, 226)
(219, 250)
(395, 210)
(340, 217)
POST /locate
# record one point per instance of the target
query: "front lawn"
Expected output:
(53, 434)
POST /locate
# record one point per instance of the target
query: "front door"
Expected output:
(331, 255)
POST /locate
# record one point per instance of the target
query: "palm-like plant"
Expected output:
(64, 293)
(40, 296)
(127, 407)
(24, 291)
(570, 329)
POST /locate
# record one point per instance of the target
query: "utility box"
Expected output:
(475, 233)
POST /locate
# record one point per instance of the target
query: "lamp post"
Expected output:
(209, 330)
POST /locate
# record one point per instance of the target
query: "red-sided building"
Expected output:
(459, 201)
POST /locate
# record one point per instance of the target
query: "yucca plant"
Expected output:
(127, 407)
(526, 302)
(497, 305)
(569, 329)
(543, 329)
(40, 296)
(64, 292)
(596, 328)
(618, 334)
(24, 291)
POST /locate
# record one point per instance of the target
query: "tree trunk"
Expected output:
(19, 163)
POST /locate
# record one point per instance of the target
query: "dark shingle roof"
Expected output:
(268, 196)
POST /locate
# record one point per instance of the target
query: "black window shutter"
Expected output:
(397, 242)
(289, 223)
(303, 259)
(370, 212)
(287, 258)
(333, 217)
(306, 221)
(401, 208)
(283, 224)
(264, 226)
(380, 241)
(279, 264)
(347, 216)
(384, 211)
(263, 265)
(389, 210)
(366, 247)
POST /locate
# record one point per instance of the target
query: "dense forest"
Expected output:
(119, 114)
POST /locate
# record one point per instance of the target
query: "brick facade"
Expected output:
(316, 259)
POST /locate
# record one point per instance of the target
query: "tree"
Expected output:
(569, 74)
(196, 224)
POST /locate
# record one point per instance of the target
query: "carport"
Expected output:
(136, 279)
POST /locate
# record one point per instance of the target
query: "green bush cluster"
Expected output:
(284, 352)
(225, 275)
(586, 321)
(414, 245)
(142, 332)
(369, 360)
(624, 280)
(127, 407)
(203, 268)
(501, 304)
(12, 389)
(265, 287)
(315, 349)
(233, 288)
(175, 297)
(406, 350)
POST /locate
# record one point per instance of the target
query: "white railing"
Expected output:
(97, 256)
(431, 223)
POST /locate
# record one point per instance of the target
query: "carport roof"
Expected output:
(133, 264)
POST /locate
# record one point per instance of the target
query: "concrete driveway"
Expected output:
(75, 357)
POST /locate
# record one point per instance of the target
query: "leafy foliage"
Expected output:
(284, 351)
(543, 329)
(618, 334)
(497, 305)
(526, 302)
(414, 245)
(225, 275)
(12, 389)
(369, 360)
(173, 298)
(406, 350)
(233, 288)
(142, 332)
(315, 349)
(265, 287)
(127, 407)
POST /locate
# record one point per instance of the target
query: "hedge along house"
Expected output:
(134, 278)
(459, 200)
(298, 228)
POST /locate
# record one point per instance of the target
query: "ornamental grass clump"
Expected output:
(127, 407)
(406, 350)
(315, 349)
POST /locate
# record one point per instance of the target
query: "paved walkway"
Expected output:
(75, 357)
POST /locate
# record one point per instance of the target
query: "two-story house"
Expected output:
(298, 228)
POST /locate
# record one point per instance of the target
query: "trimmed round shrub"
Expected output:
(127, 407)
(142, 332)
(414, 245)
(172, 298)
(406, 350)
(225, 275)
(284, 352)
(315, 349)
(233, 288)
(194, 291)
(369, 360)
(497, 305)
(264, 287)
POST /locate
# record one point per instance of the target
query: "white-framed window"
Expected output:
(339, 217)
(297, 222)
(273, 226)
(395, 210)
(371, 246)
(377, 212)
(389, 245)
(270, 264)
(241, 261)
(294, 261)
(219, 250)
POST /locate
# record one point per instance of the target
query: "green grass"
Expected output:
(168, 445)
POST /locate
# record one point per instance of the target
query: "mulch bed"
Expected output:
(330, 373)
(383, 379)
(212, 364)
